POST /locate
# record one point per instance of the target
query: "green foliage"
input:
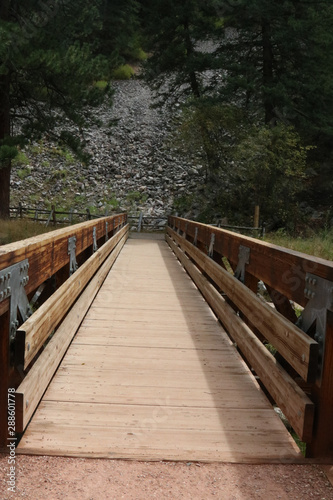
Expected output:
(174, 32)
(136, 197)
(20, 159)
(272, 163)
(317, 243)
(59, 174)
(119, 38)
(123, 72)
(23, 173)
(102, 84)
(7, 153)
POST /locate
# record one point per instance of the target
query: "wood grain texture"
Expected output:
(300, 350)
(31, 390)
(282, 269)
(47, 253)
(151, 375)
(294, 403)
(35, 331)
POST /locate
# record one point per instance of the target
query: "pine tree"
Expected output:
(47, 63)
(175, 33)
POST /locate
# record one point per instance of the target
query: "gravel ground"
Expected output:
(55, 478)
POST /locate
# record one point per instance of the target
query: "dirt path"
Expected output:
(54, 478)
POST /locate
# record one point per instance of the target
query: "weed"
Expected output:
(23, 173)
(319, 245)
(124, 72)
(59, 174)
(15, 230)
(102, 84)
(20, 160)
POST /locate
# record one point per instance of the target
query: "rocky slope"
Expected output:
(132, 166)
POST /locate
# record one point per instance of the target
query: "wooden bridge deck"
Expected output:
(152, 375)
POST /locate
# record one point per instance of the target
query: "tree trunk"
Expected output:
(268, 60)
(4, 127)
(190, 51)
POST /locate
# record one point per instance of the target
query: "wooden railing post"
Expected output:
(54, 217)
(322, 395)
(4, 379)
(290, 278)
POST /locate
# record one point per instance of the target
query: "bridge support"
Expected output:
(4, 378)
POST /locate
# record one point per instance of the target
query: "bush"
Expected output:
(124, 72)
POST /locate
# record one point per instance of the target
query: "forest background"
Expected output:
(252, 82)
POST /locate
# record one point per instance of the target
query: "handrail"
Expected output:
(288, 276)
(30, 272)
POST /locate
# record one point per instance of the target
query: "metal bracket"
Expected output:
(95, 247)
(106, 231)
(72, 256)
(195, 241)
(13, 279)
(211, 245)
(320, 294)
(243, 259)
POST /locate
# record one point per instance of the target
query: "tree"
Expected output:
(119, 38)
(47, 70)
(278, 61)
(175, 32)
(271, 60)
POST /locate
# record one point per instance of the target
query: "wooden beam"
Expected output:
(34, 332)
(322, 393)
(282, 269)
(4, 380)
(294, 403)
(31, 390)
(47, 253)
(292, 343)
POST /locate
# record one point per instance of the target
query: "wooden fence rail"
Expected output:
(51, 216)
(304, 360)
(59, 273)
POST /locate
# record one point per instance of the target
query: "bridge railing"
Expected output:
(47, 284)
(227, 268)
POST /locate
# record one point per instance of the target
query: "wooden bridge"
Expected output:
(154, 347)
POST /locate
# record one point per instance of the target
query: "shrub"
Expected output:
(124, 72)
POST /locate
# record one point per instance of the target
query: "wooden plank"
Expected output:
(281, 268)
(31, 390)
(129, 427)
(35, 331)
(322, 393)
(119, 416)
(159, 400)
(294, 403)
(293, 344)
(47, 253)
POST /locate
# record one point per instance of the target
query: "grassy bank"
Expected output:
(319, 244)
(15, 230)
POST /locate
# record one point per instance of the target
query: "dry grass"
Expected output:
(319, 245)
(15, 230)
